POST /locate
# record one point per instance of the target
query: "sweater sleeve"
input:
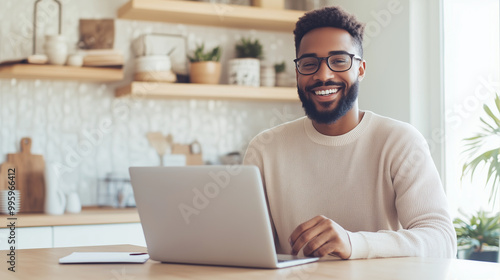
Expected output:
(421, 204)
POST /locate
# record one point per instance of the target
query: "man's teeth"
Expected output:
(326, 92)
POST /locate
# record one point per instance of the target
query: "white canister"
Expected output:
(56, 49)
(75, 60)
(282, 80)
(152, 63)
(267, 76)
(55, 200)
(73, 204)
(244, 72)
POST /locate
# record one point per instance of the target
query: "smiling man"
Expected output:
(342, 181)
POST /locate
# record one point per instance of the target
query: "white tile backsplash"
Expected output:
(88, 133)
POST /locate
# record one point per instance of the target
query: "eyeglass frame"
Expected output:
(320, 59)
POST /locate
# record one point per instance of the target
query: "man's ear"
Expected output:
(361, 70)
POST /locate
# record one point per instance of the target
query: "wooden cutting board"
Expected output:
(4, 175)
(30, 178)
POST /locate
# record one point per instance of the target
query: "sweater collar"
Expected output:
(339, 140)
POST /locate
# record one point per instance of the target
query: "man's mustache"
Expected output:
(320, 84)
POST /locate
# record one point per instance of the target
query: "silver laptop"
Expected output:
(210, 215)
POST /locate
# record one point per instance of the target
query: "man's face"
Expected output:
(326, 95)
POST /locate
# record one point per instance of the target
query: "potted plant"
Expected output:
(478, 236)
(480, 227)
(245, 69)
(491, 158)
(281, 78)
(205, 67)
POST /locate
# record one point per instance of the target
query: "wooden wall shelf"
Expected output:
(203, 91)
(199, 13)
(56, 72)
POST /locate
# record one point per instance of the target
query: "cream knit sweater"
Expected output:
(378, 181)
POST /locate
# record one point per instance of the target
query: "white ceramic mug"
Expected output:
(73, 204)
(56, 49)
(75, 60)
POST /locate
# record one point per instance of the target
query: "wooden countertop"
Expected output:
(88, 216)
(43, 264)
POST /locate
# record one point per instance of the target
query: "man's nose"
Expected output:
(324, 72)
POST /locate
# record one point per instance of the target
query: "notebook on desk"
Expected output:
(211, 215)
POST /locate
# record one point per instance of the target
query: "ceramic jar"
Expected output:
(55, 200)
(282, 80)
(244, 72)
(267, 76)
(73, 204)
(56, 49)
(75, 60)
(205, 72)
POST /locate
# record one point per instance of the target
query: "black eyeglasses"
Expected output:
(339, 61)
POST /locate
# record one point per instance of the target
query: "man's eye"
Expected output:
(338, 61)
(309, 65)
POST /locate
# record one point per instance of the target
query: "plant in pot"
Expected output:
(245, 69)
(281, 78)
(477, 233)
(481, 225)
(205, 67)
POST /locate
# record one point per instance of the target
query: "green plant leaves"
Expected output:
(279, 67)
(490, 159)
(480, 229)
(247, 48)
(201, 55)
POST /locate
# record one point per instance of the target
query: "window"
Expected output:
(471, 78)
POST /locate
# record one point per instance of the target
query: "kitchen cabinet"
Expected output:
(27, 238)
(94, 235)
(93, 226)
(57, 72)
(74, 236)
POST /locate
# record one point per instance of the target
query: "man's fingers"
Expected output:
(303, 227)
(317, 242)
(319, 237)
(304, 233)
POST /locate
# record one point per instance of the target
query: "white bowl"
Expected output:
(152, 63)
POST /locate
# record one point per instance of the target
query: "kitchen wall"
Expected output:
(65, 119)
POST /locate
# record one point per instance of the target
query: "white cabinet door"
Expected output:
(4, 237)
(27, 238)
(95, 235)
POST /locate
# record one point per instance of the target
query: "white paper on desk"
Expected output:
(104, 257)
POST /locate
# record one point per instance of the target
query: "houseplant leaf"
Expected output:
(489, 159)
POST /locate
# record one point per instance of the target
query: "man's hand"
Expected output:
(320, 236)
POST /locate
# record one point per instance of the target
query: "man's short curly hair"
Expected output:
(330, 17)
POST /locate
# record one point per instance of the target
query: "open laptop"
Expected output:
(210, 215)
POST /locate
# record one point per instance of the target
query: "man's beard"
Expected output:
(344, 104)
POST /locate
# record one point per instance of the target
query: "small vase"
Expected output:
(73, 204)
(267, 76)
(205, 72)
(55, 200)
(282, 80)
(56, 49)
(244, 72)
